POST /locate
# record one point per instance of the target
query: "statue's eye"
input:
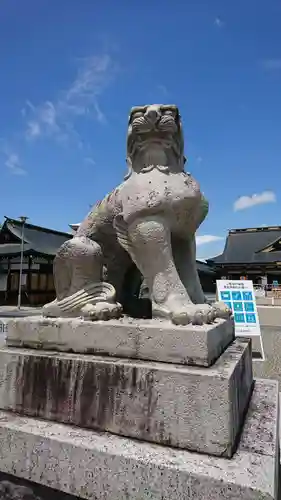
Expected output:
(138, 114)
(170, 112)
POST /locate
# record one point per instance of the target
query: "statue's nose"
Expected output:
(152, 114)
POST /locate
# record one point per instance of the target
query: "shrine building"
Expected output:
(251, 253)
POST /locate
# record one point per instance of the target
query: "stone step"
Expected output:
(100, 465)
(199, 409)
(139, 339)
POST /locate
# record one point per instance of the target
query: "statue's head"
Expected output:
(155, 138)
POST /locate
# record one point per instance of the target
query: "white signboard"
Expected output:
(239, 296)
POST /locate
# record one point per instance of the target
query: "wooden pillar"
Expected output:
(28, 281)
(8, 286)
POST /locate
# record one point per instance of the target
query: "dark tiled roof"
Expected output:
(203, 267)
(248, 246)
(13, 248)
(37, 239)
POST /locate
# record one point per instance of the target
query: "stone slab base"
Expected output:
(140, 339)
(103, 466)
(199, 409)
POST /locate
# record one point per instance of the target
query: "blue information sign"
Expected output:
(239, 296)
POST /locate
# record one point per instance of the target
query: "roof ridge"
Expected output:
(33, 226)
(269, 245)
(253, 229)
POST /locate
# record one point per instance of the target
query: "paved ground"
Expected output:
(8, 311)
(271, 367)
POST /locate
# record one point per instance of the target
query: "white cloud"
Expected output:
(14, 165)
(218, 22)
(82, 98)
(33, 129)
(43, 122)
(93, 75)
(272, 64)
(99, 114)
(207, 238)
(244, 202)
(162, 89)
(209, 245)
(89, 160)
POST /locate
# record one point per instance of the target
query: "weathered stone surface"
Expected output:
(139, 339)
(264, 401)
(150, 220)
(103, 466)
(200, 409)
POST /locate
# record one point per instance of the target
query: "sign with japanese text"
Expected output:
(239, 296)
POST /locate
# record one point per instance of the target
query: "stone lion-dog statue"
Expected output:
(149, 220)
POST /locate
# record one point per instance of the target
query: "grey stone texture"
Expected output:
(145, 339)
(150, 220)
(200, 409)
(103, 466)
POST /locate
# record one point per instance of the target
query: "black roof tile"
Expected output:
(246, 245)
(38, 239)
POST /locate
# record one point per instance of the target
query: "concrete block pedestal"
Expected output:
(199, 409)
(103, 466)
(138, 339)
(135, 411)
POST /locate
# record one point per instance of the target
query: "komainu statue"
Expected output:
(149, 220)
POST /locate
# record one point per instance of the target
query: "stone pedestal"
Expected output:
(194, 408)
(139, 339)
(105, 466)
(156, 412)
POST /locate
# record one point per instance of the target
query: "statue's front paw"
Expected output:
(222, 311)
(196, 314)
(182, 312)
(101, 311)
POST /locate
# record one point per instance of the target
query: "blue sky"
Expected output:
(72, 69)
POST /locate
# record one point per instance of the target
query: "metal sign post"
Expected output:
(23, 220)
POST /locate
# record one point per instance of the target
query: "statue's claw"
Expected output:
(184, 313)
(101, 311)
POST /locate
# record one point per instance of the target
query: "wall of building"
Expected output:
(37, 281)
